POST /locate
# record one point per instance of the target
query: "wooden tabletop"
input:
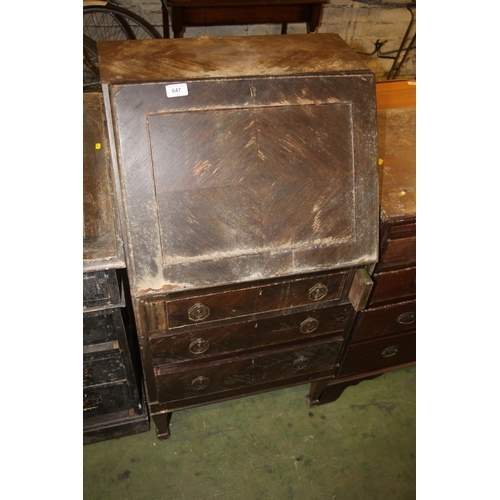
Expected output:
(136, 61)
(101, 244)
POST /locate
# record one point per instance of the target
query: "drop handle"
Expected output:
(300, 363)
(406, 318)
(198, 312)
(199, 346)
(317, 292)
(389, 351)
(309, 325)
(200, 383)
(91, 403)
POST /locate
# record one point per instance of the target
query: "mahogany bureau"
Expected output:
(113, 401)
(384, 334)
(248, 189)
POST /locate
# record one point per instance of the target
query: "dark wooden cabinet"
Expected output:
(229, 12)
(113, 400)
(247, 174)
(384, 334)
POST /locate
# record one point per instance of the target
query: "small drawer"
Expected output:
(105, 399)
(247, 371)
(378, 354)
(386, 320)
(102, 326)
(101, 289)
(199, 344)
(394, 285)
(103, 368)
(239, 302)
(398, 253)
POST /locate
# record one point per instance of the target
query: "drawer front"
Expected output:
(394, 285)
(101, 289)
(398, 252)
(248, 371)
(378, 354)
(105, 399)
(386, 320)
(252, 299)
(103, 368)
(101, 326)
(237, 337)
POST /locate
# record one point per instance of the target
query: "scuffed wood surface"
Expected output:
(397, 149)
(396, 94)
(211, 57)
(100, 245)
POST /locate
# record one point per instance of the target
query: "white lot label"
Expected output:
(177, 90)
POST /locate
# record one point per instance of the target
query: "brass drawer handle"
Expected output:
(198, 312)
(200, 383)
(406, 318)
(389, 351)
(90, 404)
(309, 325)
(300, 363)
(199, 346)
(317, 292)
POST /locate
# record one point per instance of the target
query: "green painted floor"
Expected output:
(271, 446)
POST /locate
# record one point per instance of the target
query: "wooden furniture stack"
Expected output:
(113, 400)
(384, 334)
(248, 187)
(229, 12)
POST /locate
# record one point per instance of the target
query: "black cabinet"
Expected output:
(113, 400)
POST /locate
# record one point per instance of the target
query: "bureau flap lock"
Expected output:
(361, 287)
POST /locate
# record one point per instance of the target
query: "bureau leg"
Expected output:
(162, 422)
(315, 391)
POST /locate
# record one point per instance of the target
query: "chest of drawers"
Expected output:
(247, 173)
(384, 334)
(113, 400)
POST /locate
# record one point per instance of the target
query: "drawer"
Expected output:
(246, 335)
(101, 289)
(247, 371)
(243, 301)
(378, 354)
(394, 286)
(103, 368)
(101, 400)
(398, 253)
(102, 326)
(386, 320)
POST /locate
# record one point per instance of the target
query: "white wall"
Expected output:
(359, 22)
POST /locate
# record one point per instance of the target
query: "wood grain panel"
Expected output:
(386, 320)
(247, 371)
(246, 335)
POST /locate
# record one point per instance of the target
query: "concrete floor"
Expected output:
(271, 446)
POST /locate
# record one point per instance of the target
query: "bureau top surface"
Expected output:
(100, 243)
(136, 61)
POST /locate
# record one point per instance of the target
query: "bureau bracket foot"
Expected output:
(162, 422)
(312, 399)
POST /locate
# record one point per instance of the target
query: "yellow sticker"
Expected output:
(98, 145)
(380, 161)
